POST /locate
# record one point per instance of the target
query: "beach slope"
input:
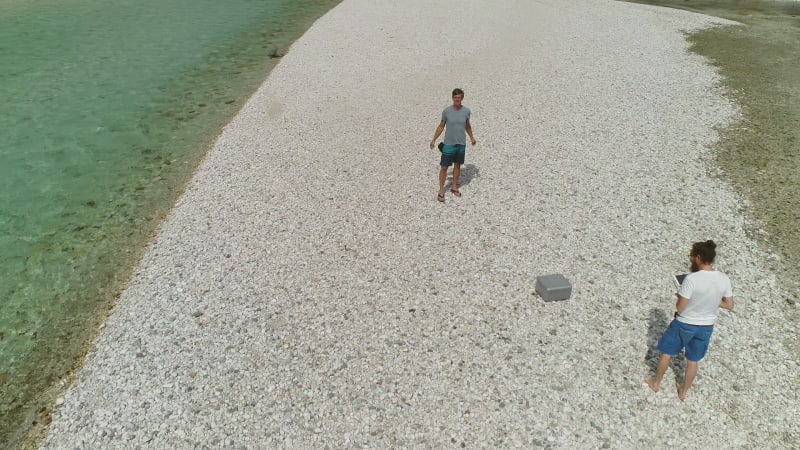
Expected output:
(308, 290)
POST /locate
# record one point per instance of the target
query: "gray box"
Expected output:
(553, 287)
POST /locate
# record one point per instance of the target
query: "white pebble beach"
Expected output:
(308, 291)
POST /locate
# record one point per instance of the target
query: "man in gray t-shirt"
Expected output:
(455, 119)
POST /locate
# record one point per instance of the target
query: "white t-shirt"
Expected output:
(705, 290)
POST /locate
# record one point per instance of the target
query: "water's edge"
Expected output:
(760, 154)
(32, 422)
(710, 43)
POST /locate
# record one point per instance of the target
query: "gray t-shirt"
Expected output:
(455, 132)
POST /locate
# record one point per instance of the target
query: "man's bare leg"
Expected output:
(655, 383)
(456, 175)
(442, 179)
(691, 372)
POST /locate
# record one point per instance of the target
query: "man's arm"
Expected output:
(439, 130)
(727, 303)
(680, 305)
(468, 127)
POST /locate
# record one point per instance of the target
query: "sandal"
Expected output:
(456, 192)
(440, 197)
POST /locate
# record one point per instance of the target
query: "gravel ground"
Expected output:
(308, 290)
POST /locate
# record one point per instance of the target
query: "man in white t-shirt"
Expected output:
(701, 294)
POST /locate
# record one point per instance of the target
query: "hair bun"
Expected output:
(711, 243)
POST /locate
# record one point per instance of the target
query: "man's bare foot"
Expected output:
(652, 383)
(682, 392)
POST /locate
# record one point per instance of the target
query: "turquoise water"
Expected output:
(106, 106)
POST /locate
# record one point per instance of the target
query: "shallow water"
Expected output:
(105, 109)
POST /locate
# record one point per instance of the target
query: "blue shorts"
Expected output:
(679, 335)
(453, 154)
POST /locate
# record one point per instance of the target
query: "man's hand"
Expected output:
(727, 303)
(473, 141)
(433, 144)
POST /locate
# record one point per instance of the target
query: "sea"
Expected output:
(106, 109)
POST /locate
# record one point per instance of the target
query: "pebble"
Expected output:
(310, 236)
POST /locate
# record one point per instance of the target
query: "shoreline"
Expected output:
(190, 304)
(38, 393)
(757, 152)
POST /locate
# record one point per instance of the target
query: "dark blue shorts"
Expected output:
(693, 338)
(453, 154)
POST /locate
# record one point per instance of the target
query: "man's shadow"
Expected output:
(657, 323)
(468, 173)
